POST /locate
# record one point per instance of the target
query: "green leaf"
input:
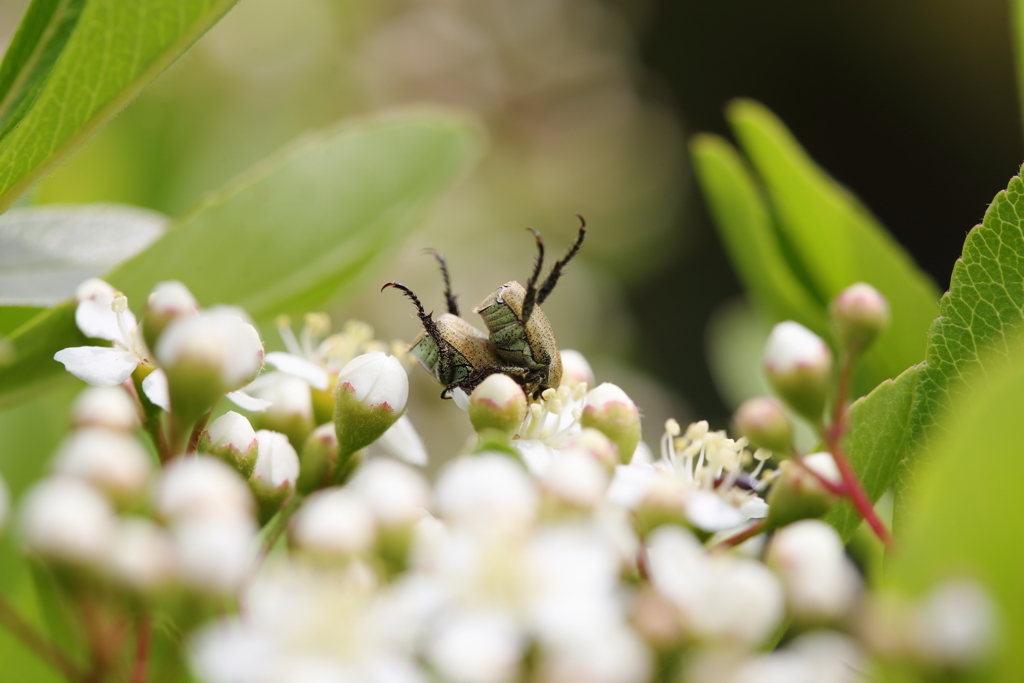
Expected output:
(113, 51)
(978, 319)
(876, 442)
(47, 251)
(41, 36)
(964, 517)
(747, 230)
(288, 236)
(833, 241)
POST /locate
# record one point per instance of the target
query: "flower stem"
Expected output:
(197, 431)
(43, 647)
(143, 636)
(738, 538)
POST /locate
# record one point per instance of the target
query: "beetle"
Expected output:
(519, 330)
(457, 354)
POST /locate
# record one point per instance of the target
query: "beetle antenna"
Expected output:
(429, 326)
(556, 270)
(453, 306)
(531, 285)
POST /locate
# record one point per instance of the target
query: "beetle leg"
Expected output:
(428, 323)
(480, 374)
(531, 285)
(453, 306)
(556, 270)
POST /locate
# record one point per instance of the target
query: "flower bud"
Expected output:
(317, 459)
(106, 407)
(277, 468)
(488, 491)
(206, 356)
(798, 363)
(232, 439)
(956, 624)
(765, 425)
(397, 494)
(200, 487)
(497, 403)
(213, 555)
(167, 302)
(142, 556)
(67, 520)
(576, 479)
(291, 409)
(599, 446)
(372, 391)
(797, 494)
(609, 410)
(859, 313)
(333, 524)
(576, 369)
(476, 647)
(821, 584)
(114, 462)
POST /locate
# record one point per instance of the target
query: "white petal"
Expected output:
(247, 402)
(755, 508)
(155, 389)
(630, 484)
(461, 398)
(98, 365)
(535, 454)
(315, 375)
(403, 441)
(707, 511)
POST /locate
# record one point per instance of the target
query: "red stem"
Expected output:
(142, 642)
(197, 431)
(738, 538)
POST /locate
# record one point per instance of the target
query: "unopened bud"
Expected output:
(291, 408)
(201, 487)
(206, 356)
(610, 411)
(487, 491)
(333, 524)
(859, 313)
(213, 556)
(372, 392)
(232, 439)
(396, 493)
(277, 469)
(113, 462)
(765, 425)
(956, 624)
(599, 446)
(67, 520)
(142, 556)
(576, 479)
(497, 403)
(167, 302)
(106, 407)
(798, 494)
(317, 459)
(798, 363)
(576, 369)
(821, 584)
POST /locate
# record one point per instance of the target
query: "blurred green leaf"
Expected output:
(876, 441)
(833, 241)
(47, 251)
(290, 234)
(977, 322)
(752, 240)
(113, 51)
(964, 517)
(41, 36)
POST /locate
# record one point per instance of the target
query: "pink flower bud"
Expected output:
(107, 407)
(167, 302)
(860, 313)
(201, 487)
(232, 439)
(576, 369)
(114, 462)
(372, 391)
(333, 524)
(497, 403)
(821, 583)
(67, 520)
(609, 410)
(277, 468)
(765, 424)
(798, 364)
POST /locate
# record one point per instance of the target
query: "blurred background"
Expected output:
(589, 104)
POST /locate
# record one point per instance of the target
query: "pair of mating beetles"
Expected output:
(519, 342)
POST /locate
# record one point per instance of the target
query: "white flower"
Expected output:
(107, 407)
(142, 556)
(333, 523)
(402, 441)
(478, 647)
(213, 554)
(65, 519)
(550, 424)
(277, 463)
(103, 314)
(821, 583)
(576, 369)
(489, 491)
(956, 624)
(201, 487)
(113, 462)
(396, 493)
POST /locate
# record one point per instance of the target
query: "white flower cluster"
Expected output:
(555, 548)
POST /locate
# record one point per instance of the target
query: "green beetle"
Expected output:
(519, 330)
(457, 354)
